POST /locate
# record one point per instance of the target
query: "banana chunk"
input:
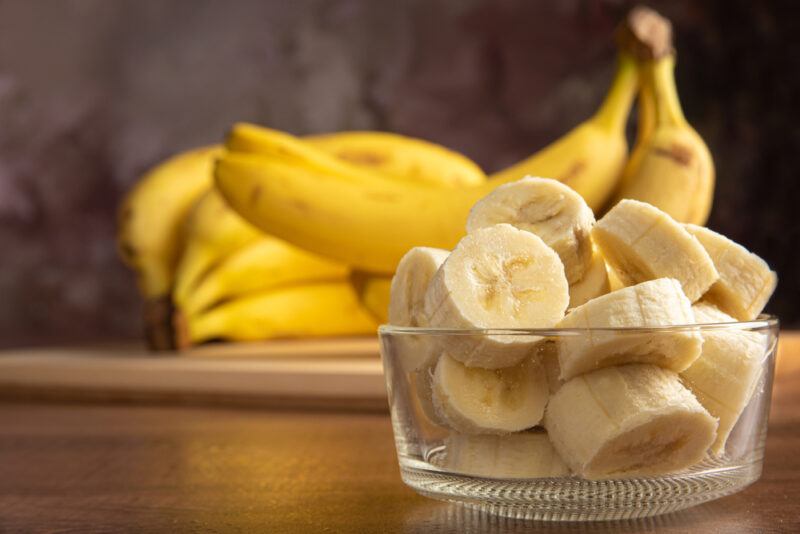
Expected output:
(626, 421)
(489, 401)
(593, 284)
(406, 304)
(655, 303)
(640, 242)
(547, 208)
(497, 277)
(725, 375)
(745, 281)
(520, 455)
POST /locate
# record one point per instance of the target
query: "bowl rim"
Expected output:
(762, 322)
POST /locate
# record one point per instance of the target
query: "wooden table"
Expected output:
(101, 468)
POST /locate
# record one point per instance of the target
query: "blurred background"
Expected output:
(92, 93)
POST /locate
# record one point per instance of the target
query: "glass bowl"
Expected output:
(423, 435)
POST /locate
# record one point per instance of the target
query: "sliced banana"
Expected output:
(725, 375)
(655, 303)
(406, 305)
(640, 242)
(548, 355)
(626, 421)
(549, 209)
(519, 455)
(497, 277)
(489, 401)
(593, 284)
(745, 281)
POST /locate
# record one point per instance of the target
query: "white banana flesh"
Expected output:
(593, 284)
(547, 208)
(627, 421)
(489, 401)
(745, 281)
(725, 375)
(497, 277)
(655, 303)
(519, 455)
(406, 306)
(640, 242)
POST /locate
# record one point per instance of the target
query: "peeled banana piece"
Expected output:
(627, 421)
(594, 282)
(518, 455)
(409, 286)
(547, 208)
(497, 277)
(745, 281)
(312, 310)
(640, 242)
(489, 401)
(655, 303)
(725, 375)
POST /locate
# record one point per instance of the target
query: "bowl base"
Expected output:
(575, 499)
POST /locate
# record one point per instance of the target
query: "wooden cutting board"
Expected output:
(328, 373)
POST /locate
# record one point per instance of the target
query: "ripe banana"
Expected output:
(402, 158)
(151, 215)
(725, 375)
(658, 302)
(519, 455)
(265, 264)
(627, 421)
(546, 208)
(497, 277)
(640, 242)
(593, 283)
(590, 158)
(671, 166)
(371, 224)
(489, 401)
(745, 281)
(212, 231)
(324, 309)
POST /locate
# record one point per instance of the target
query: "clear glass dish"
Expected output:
(421, 438)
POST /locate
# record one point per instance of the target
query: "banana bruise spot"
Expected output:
(572, 172)
(255, 195)
(362, 157)
(680, 154)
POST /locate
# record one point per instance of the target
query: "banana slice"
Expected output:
(593, 284)
(626, 421)
(640, 242)
(655, 303)
(489, 401)
(725, 375)
(406, 304)
(497, 277)
(520, 455)
(547, 208)
(548, 355)
(745, 281)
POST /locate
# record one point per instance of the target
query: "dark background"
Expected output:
(94, 92)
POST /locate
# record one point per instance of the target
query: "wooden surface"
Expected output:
(327, 373)
(102, 468)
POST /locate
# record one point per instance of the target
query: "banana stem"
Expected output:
(661, 77)
(613, 113)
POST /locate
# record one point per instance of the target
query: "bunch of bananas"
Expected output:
(272, 235)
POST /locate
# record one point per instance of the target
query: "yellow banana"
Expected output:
(212, 232)
(671, 168)
(402, 158)
(374, 293)
(151, 215)
(370, 224)
(265, 264)
(327, 309)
